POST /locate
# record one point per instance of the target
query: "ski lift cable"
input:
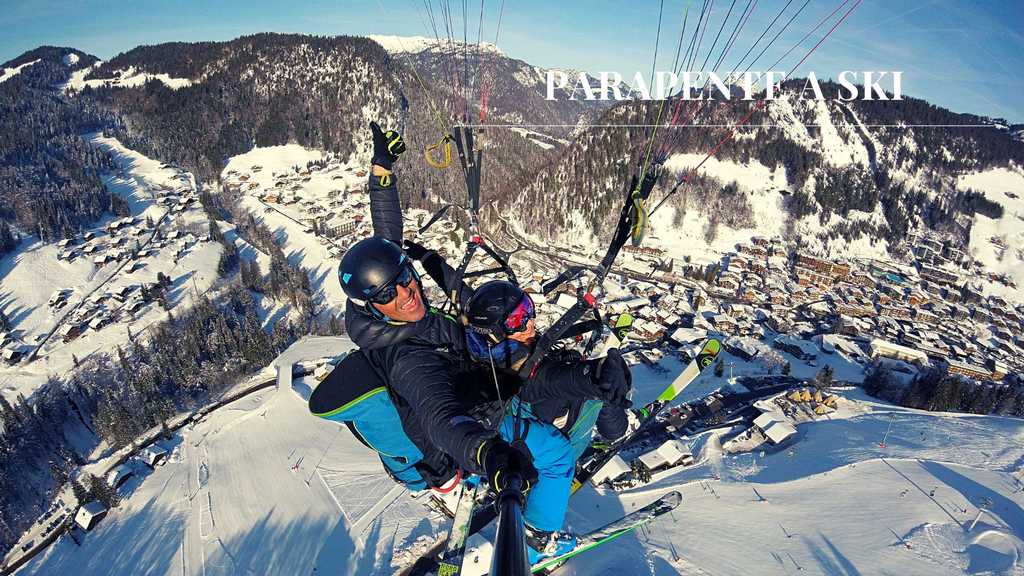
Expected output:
(761, 103)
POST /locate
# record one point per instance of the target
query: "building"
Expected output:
(13, 355)
(119, 475)
(800, 349)
(971, 371)
(672, 453)
(70, 331)
(89, 514)
(774, 430)
(613, 470)
(892, 350)
(153, 455)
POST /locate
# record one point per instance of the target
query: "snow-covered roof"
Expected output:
(615, 468)
(88, 510)
(689, 335)
(778, 432)
(764, 420)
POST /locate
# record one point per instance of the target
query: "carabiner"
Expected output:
(445, 144)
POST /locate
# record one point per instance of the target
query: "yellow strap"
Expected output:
(639, 219)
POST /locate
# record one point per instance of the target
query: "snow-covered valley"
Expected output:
(260, 486)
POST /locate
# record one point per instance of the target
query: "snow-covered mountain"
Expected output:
(846, 178)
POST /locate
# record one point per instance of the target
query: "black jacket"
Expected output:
(448, 405)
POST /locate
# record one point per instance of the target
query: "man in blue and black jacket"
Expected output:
(452, 409)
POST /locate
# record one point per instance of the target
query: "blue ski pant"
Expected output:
(555, 461)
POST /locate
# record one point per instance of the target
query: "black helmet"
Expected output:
(494, 305)
(370, 265)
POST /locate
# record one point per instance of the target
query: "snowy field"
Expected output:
(31, 274)
(1006, 187)
(262, 487)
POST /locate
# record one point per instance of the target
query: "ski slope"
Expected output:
(1006, 187)
(262, 487)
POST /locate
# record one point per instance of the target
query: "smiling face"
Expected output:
(407, 306)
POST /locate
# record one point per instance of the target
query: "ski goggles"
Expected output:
(389, 291)
(481, 350)
(519, 318)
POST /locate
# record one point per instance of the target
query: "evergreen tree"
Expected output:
(81, 494)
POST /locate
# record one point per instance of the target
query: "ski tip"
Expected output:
(673, 498)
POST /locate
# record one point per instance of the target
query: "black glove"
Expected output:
(613, 380)
(500, 461)
(414, 250)
(387, 146)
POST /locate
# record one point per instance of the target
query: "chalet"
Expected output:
(685, 336)
(58, 298)
(70, 331)
(742, 348)
(89, 236)
(98, 322)
(613, 470)
(13, 355)
(672, 453)
(153, 455)
(119, 475)
(710, 406)
(89, 514)
(724, 323)
(775, 431)
(800, 349)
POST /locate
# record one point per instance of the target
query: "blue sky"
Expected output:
(962, 54)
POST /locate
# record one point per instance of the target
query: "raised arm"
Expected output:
(385, 208)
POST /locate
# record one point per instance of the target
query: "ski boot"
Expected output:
(541, 544)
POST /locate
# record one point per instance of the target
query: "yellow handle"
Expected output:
(445, 144)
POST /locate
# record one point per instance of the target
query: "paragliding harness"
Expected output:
(632, 225)
(355, 395)
(471, 161)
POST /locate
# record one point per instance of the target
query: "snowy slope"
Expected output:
(8, 73)
(127, 78)
(834, 502)
(228, 501)
(418, 44)
(1006, 187)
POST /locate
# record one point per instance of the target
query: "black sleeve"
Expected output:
(385, 208)
(443, 274)
(612, 422)
(423, 378)
(561, 378)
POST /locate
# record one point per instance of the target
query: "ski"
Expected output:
(451, 561)
(589, 465)
(444, 557)
(613, 530)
